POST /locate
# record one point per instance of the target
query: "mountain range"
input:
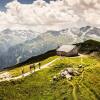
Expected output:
(17, 46)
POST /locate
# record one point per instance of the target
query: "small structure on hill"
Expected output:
(67, 50)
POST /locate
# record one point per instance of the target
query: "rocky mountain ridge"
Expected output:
(20, 45)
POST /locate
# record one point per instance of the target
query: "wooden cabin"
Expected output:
(67, 50)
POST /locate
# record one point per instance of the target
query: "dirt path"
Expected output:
(74, 90)
(28, 73)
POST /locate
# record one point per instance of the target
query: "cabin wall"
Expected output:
(61, 53)
(74, 51)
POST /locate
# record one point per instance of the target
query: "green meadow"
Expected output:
(41, 86)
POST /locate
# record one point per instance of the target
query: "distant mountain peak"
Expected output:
(21, 42)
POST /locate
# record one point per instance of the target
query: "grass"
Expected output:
(18, 71)
(40, 85)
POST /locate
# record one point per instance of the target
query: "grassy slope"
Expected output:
(17, 71)
(40, 86)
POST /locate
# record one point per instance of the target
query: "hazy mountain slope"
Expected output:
(10, 38)
(22, 45)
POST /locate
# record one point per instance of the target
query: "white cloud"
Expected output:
(42, 16)
(92, 16)
(72, 2)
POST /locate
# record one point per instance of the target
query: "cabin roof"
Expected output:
(66, 48)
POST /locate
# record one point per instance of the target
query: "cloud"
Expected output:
(72, 2)
(92, 16)
(43, 16)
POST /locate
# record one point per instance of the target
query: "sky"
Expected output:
(43, 16)
(4, 2)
